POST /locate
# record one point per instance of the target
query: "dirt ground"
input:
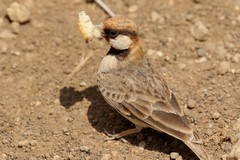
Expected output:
(44, 114)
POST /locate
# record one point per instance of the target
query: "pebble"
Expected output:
(201, 60)
(15, 27)
(179, 158)
(6, 34)
(106, 157)
(154, 16)
(174, 155)
(23, 143)
(84, 149)
(66, 131)
(216, 115)
(199, 31)
(154, 53)
(236, 58)
(182, 66)
(191, 104)
(18, 13)
(201, 52)
(142, 145)
(5, 141)
(133, 8)
(223, 67)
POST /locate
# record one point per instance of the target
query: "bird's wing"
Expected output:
(145, 97)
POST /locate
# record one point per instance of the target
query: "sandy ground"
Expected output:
(44, 114)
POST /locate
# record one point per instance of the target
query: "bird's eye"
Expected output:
(113, 34)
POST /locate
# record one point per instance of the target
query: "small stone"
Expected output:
(199, 31)
(106, 157)
(18, 13)
(23, 143)
(153, 53)
(142, 145)
(201, 60)
(201, 52)
(182, 66)
(190, 17)
(17, 53)
(191, 104)
(6, 34)
(223, 67)
(174, 155)
(236, 58)
(33, 142)
(66, 131)
(216, 115)
(209, 132)
(179, 158)
(133, 8)
(84, 149)
(154, 16)
(15, 27)
(5, 141)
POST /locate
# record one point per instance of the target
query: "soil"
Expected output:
(45, 114)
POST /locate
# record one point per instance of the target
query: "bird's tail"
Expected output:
(197, 147)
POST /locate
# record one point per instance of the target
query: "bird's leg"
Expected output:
(124, 133)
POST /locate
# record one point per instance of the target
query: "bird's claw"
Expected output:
(110, 136)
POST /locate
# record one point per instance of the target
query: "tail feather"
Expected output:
(197, 147)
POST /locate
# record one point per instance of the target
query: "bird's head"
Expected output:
(120, 32)
(123, 36)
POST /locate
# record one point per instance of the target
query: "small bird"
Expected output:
(137, 90)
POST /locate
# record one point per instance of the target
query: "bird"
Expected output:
(134, 87)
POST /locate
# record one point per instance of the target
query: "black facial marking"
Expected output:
(120, 54)
(112, 33)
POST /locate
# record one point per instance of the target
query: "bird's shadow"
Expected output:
(104, 118)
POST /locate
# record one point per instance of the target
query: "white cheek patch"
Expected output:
(121, 42)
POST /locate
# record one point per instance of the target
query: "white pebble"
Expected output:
(199, 31)
(19, 13)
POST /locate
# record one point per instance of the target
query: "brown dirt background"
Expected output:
(46, 115)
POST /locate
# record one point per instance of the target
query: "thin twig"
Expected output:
(82, 62)
(105, 8)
